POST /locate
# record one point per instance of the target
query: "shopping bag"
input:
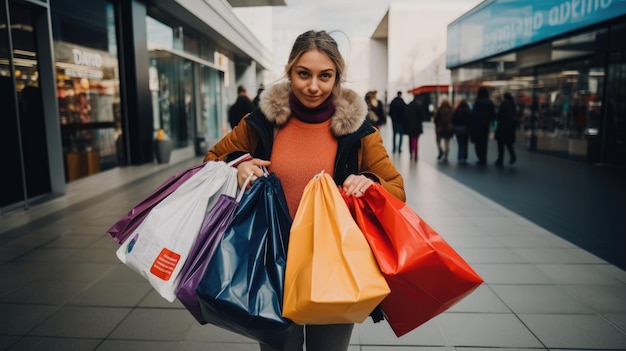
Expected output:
(160, 245)
(215, 224)
(124, 227)
(242, 286)
(332, 276)
(425, 274)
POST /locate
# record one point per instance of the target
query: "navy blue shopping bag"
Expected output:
(243, 284)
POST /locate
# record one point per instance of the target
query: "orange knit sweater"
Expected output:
(301, 150)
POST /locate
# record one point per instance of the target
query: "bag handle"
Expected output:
(238, 160)
(243, 188)
(266, 173)
(249, 178)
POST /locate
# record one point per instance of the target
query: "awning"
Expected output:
(429, 89)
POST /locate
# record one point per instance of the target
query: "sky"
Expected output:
(356, 18)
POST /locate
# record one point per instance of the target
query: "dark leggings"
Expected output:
(480, 146)
(330, 337)
(509, 147)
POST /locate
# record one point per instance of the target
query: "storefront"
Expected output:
(88, 84)
(563, 61)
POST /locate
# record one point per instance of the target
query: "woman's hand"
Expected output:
(246, 168)
(356, 185)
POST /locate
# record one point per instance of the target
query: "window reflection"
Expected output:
(558, 87)
(186, 90)
(159, 34)
(174, 102)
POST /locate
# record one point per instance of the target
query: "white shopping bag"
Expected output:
(161, 244)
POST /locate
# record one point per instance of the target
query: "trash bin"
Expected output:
(163, 150)
(162, 147)
(201, 148)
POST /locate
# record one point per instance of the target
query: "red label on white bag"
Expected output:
(165, 263)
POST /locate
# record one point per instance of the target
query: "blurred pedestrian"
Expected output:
(483, 115)
(240, 108)
(396, 112)
(461, 125)
(376, 107)
(443, 129)
(257, 98)
(305, 125)
(505, 129)
(412, 126)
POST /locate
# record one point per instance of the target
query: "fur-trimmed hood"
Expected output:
(350, 109)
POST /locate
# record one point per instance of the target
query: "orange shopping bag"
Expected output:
(331, 275)
(425, 274)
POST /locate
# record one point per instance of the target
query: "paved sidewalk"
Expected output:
(578, 201)
(63, 288)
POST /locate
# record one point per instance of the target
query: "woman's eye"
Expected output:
(326, 76)
(303, 74)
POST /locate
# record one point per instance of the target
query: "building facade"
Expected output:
(406, 47)
(564, 62)
(86, 85)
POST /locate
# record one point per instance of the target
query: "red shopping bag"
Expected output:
(425, 274)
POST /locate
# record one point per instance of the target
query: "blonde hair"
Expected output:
(322, 41)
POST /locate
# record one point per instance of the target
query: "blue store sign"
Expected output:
(504, 25)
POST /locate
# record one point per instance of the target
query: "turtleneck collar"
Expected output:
(318, 114)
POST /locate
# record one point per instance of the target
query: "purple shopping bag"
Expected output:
(213, 228)
(127, 224)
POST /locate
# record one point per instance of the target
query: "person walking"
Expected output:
(257, 98)
(412, 126)
(460, 123)
(312, 117)
(443, 129)
(396, 112)
(240, 108)
(505, 130)
(483, 115)
(375, 106)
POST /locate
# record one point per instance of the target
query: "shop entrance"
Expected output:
(24, 152)
(87, 86)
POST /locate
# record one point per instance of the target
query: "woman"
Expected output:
(302, 127)
(376, 111)
(443, 129)
(505, 132)
(461, 121)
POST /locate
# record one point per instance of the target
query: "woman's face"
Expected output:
(313, 78)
